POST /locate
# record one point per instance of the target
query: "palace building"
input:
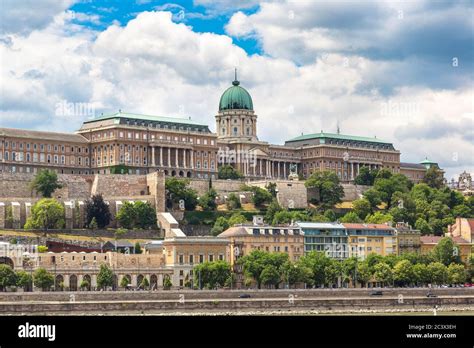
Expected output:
(131, 143)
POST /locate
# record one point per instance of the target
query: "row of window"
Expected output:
(42, 158)
(56, 148)
(144, 136)
(201, 258)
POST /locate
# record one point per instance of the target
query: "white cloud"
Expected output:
(155, 66)
(24, 16)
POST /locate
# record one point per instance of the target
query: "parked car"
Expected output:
(430, 294)
(467, 285)
(376, 293)
(244, 296)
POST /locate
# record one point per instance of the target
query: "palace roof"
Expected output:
(40, 135)
(336, 136)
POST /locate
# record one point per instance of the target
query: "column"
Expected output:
(260, 167)
(358, 169)
(284, 170)
(352, 171)
(153, 156)
(192, 159)
(161, 156)
(169, 156)
(184, 158)
(278, 163)
(177, 158)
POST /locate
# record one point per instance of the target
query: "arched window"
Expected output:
(248, 131)
(235, 130)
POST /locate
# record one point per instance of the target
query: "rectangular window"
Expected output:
(201, 258)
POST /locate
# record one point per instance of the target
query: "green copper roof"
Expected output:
(139, 117)
(427, 161)
(235, 97)
(323, 135)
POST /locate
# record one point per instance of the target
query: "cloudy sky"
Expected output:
(402, 71)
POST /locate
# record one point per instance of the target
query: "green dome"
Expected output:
(235, 97)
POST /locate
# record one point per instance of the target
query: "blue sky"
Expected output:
(399, 70)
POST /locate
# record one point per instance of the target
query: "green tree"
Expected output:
(421, 274)
(208, 200)
(318, 263)
(43, 279)
(403, 273)
(446, 252)
(24, 280)
(366, 176)
(272, 209)
(434, 178)
(270, 276)
(272, 188)
(256, 261)
(456, 274)
(47, 213)
(363, 274)
(138, 248)
(438, 273)
(422, 225)
(42, 249)
(145, 284)
(137, 215)
(84, 285)
(211, 275)
(167, 283)
(46, 182)
(178, 189)
(388, 186)
(362, 208)
(220, 226)
(98, 209)
(328, 186)
(125, 282)
(383, 273)
(237, 219)
(7, 277)
(228, 172)
(93, 224)
(233, 202)
(105, 277)
(260, 196)
(351, 217)
(379, 218)
(373, 197)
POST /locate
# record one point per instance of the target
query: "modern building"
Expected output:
(429, 242)
(328, 237)
(139, 144)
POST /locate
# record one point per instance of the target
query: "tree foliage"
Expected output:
(229, 172)
(137, 215)
(105, 277)
(328, 187)
(177, 190)
(43, 279)
(47, 213)
(46, 182)
(97, 209)
(7, 277)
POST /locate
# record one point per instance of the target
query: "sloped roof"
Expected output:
(41, 135)
(323, 135)
(435, 240)
(367, 226)
(234, 232)
(140, 117)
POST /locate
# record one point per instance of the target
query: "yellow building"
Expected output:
(464, 228)
(364, 239)
(429, 242)
(408, 240)
(183, 253)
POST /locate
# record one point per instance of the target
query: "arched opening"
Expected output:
(139, 280)
(166, 172)
(115, 284)
(59, 283)
(126, 281)
(86, 283)
(73, 282)
(173, 173)
(153, 282)
(181, 173)
(188, 174)
(6, 261)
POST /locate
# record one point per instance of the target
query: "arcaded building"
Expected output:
(131, 143)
